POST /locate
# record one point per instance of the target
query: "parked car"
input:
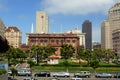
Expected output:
(117, 75)
(76, 79)
(82, 74)
(29, 78)
(52, 79)
(103, 75)
(61, 74)
(43, 74)
(10, 78)
(24, 73)
(9, 73)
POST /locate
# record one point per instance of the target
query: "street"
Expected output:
(42, 78)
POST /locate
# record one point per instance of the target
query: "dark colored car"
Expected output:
(42, 74)
(9, 78)
(117, 75)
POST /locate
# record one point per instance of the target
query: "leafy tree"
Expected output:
(42, 52)
(20, 54)
(11, 54)
(31, 64)
(80, 53)
(88, 55)
(94, 64)
(14, 72)
(98, 54)
(109, 53)
(67, 51)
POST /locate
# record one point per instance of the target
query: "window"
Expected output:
(41, 40)
(52, 40)
(68, 40)
(73, 41)
(45, 40)
(57, 41)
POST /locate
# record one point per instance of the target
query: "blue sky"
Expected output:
(66, 13)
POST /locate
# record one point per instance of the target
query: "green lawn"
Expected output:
(73, 67)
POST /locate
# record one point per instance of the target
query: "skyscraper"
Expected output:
(41, 22)
(109, 25)
(87, 28)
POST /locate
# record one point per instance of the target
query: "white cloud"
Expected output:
(77, 6)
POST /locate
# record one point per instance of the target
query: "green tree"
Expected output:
(80, 53)
(14, 72)
(98, 54)
(109, 54)
(41, 52)
(94, 64)
(88, 55)
(31, 64)
(11, 54)
(67, 52)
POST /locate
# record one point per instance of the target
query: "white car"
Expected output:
(24, 73)
(29, 78)
(77, 79)
(9, 72)
(104, 75)
(61, 74)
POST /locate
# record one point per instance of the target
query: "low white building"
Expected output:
(81, 36)
(53, 59)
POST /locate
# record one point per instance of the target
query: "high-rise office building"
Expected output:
(87, 28)
(109, 25)
(41, 22)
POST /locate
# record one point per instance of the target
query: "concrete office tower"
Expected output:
(2, 28)
(109, 25)
(41, 22)
(87, 28)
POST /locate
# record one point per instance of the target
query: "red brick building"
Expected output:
(54, 39)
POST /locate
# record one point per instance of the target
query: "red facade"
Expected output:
(54, 40)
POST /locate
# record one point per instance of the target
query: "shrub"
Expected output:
(2, 71)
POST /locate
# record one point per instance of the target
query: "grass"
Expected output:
(74, 67)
